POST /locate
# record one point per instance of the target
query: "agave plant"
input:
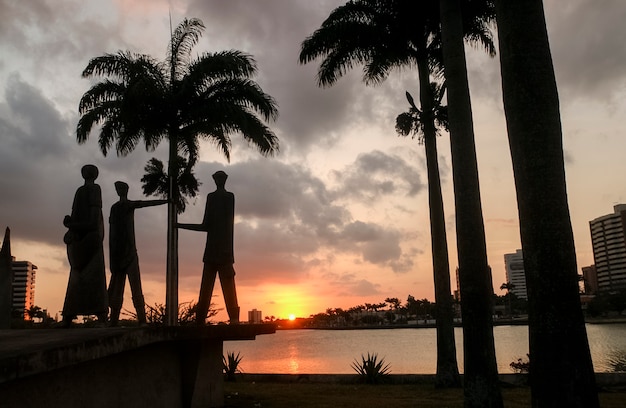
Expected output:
(370, 369)
(231, 365)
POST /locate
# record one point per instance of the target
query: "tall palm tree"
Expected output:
(383, 35)
(481, 386)
(180, 99)
(425, 124)
(561, 370)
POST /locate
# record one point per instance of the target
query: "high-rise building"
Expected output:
(514, 266)
(255, 316)
(23, 287)
(609, 249)
(590, 279)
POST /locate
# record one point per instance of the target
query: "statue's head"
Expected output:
(121, 188)
(89, 172)
(220, 177)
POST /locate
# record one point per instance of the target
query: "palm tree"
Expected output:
(508, 286)
(481, 386)
(381, 35)
(561, 370)
(34, 312)
(180, 99)
(425, 124)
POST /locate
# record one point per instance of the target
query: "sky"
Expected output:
(340, 216)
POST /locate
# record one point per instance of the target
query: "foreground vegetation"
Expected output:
(318, 395)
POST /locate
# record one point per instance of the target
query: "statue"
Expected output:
(86, 290)
(123, 253)
(219, 216)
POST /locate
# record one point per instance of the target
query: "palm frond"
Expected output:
(236, 119)
(406, 124)
(380, 35)
(413, 121)
(156, 182)
(478, 20)
(237, 92)
(124, 65)
(383, 35)
(184, 38)
(221, 65)
(100, 93)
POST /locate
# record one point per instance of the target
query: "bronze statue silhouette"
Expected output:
(123, 253)
(86, 289)
(219, 216)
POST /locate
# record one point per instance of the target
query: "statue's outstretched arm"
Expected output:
(192, 227)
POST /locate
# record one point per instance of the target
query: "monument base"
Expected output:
(117, 367)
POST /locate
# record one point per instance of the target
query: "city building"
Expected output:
(514, 266)
(609, 249)
(23, 287)
(457, 292)
(255, 316)
(590, 279)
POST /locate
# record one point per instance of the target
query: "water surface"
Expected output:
(408, 351)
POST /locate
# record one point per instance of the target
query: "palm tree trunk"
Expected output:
(561, 370)
(481, 386)
(447, 367)
(171, 278)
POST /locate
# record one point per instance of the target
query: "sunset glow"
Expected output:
(292, 317)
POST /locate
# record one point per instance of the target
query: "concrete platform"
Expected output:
(163, 366)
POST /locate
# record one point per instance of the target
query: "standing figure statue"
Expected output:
(86, 290)
(219, 217)
(123, 253)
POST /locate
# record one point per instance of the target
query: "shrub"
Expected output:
(230, 363)
(155, 315)
(370, 369)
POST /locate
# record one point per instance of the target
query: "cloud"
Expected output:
(288, 222)
(33, 162)
(587, 44)
(272, 31)
(377, 174)
(40, 162)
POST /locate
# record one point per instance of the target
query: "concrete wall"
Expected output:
(145, 377)
(172, 367)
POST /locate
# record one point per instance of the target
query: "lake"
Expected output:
(408, 351)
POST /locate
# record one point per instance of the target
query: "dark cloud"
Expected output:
(350, 285)
(376, 174)
(33, 162)
(272, 31)
(40, 163)
(44, 29)
(587, 43)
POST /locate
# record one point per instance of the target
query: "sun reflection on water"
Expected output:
(294, 356)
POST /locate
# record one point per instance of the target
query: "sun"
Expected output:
(292, 317)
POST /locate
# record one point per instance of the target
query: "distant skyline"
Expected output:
(340, 216)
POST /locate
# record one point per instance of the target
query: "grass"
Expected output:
(333, 395)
